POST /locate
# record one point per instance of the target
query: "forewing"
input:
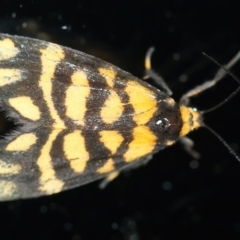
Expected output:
(80, 118)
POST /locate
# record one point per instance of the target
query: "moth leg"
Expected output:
(108, 179)
(152, 74)
(188, 147)
(221, 73)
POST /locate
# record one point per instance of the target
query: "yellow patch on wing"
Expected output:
(7, 49)
(112, 108)
(143, 143)
(76, 97)
(9, 76)
(9, 168)
(48, 180)
(143, 101)
(7, 190)
(25, 106)
(75, 151)
(22, 142)
(50, 57)
(109, 74)
(107, 167)
(111, 140)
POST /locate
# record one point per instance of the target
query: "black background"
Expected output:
(168, 198)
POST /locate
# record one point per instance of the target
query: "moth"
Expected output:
(79, 118)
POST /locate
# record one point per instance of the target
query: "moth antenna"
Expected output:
(230, 74)
(223, 141)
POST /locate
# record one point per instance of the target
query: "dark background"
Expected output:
(173, 196)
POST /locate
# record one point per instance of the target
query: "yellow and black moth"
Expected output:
(80, 118)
